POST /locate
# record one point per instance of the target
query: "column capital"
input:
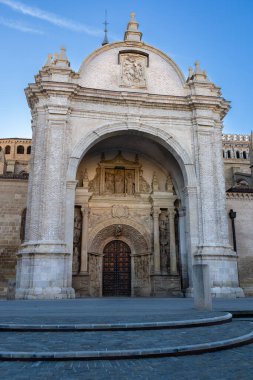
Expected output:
(71, 184)
(85, 209)
(156, 211)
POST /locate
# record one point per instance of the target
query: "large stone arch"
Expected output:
(164, 138)
(170, 143)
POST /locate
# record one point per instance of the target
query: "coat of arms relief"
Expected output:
(133, 70)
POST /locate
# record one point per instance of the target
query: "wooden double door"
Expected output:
(117, 269)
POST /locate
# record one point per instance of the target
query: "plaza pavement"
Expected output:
(234, 364)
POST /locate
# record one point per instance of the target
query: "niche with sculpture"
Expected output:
(164, 240)
(77, 240)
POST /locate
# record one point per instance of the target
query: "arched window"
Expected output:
(7, 149)
(237, 154)
(0, 149)
(228, 154)
(20, 149)
(28, 150)
(244, 154)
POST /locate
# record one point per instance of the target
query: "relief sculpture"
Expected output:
(118, 176)
(133, 71)
(77, 240)
(164, 240)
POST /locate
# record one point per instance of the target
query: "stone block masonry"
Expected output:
(13, 197)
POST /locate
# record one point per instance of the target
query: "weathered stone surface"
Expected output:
(202, 287)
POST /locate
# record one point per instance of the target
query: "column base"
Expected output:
(44, 272)
(221, 292)
(44, 293)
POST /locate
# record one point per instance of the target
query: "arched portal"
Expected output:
(133, 182)
(116, 269)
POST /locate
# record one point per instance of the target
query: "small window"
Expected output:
(0, 149)
(228, 154)
(244, 154)
(20, 149)
(237, 154)
(7, 149)
(28, 151)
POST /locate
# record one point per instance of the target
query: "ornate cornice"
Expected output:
(48, 90)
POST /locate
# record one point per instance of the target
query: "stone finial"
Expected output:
(85, 179)
(197, 68)
(190, 72)
(169, 184)
(49, 60)
(155, 184)
(132, 33)
(61, 59)
(197, 74)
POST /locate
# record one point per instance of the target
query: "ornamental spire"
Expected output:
(132, 33)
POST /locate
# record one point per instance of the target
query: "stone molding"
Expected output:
(240, 196)
(123, 221)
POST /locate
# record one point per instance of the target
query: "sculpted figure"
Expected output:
(164, 241)
(109, 182)
(129, 183)
(77, 240)
(119, 182)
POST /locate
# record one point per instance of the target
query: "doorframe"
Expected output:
(132, 254)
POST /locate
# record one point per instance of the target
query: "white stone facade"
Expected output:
(128, 97)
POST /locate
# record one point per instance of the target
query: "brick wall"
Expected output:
(13, 195)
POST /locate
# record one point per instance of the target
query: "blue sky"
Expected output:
(218, 33)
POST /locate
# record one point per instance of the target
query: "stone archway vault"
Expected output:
(161, 137)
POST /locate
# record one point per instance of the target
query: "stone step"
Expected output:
(122, 344)
(170, 324)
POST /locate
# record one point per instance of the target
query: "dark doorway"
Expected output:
(117, 269)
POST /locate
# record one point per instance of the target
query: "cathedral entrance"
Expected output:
(117, 269)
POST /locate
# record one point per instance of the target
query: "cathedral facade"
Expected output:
(126, 187)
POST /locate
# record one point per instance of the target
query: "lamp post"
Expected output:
(232, 215)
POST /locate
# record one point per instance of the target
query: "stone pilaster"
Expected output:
(173, 255)
(157, 258)
(45, 259)
(214, 249)
(182, 247)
